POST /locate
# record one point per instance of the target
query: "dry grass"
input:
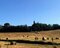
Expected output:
(31, 36)
(29, 46)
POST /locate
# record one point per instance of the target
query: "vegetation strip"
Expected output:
(32, 42)
(24, 28)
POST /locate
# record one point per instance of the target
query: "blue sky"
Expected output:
(21, 12)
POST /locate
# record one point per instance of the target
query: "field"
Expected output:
(29, 46)
(23, 45)
(48, 35)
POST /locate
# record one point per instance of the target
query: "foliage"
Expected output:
(24, 28)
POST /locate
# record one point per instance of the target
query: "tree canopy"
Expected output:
(24, 28)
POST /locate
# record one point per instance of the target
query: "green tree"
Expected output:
(7, 24)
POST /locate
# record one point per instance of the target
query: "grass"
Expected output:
(24, 45)
(33, 36)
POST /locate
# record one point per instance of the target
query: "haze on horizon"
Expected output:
(21, 12)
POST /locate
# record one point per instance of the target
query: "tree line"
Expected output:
(24, 28)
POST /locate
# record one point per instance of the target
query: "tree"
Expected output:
(6, 24)
(1, 27)
(49, 27)
(56, 26)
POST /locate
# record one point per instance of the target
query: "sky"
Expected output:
(21, 12)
